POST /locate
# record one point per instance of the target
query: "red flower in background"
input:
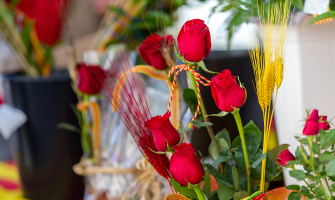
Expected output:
(163, 131)
(285, 156)
(48, 15)
(151, 50)
(194, 40)
(226, 93)
(324, 123)
(90, 79)
(312, 124)
(185, 166)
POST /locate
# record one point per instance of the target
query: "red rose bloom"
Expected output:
(90, 79)
(285, 156)
(163, 131)
(226, 93)
(151, 50)
(194, 40)
(312, 124)
(48, 16)
(324, 123)
(185, 166)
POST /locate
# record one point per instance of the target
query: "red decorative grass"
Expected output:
(134, 110)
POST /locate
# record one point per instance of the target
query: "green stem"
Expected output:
(311, 163)
(85, 138)
(206, 119)
(244, 146)
(199, 193)
(331, 196)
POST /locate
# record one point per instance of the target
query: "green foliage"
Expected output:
(150, 17)
(207, 185)
(329, 14)
(190, 99)
(240, 195)
(183, 189)
(69, 127)
(225, 192)
(218, 177)
(197, 123)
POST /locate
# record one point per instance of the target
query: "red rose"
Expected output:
(163, 131)
(226, 93)
(185, 166)
(312, 124)
(194, 40)
(324, 123)
(48, 16)
(90, 79)
(151, 50)
(285, 156)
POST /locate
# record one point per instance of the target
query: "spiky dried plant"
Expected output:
(133, 109)
(268, 63)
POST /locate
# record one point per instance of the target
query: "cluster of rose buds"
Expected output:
(194, 43)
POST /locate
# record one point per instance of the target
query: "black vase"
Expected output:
(44, 153)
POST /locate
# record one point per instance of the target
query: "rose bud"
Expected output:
(324, 123)
(90, 79)
(157, 51)
(312, 124)
(226, 93)
(285, 156)
(185, 166)
(163, 131)
(194, 40)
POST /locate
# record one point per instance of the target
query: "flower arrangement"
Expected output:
(317, 165)
(158, 138)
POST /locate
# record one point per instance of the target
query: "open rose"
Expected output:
(226, 93)
(163, 131)
(152, 49)
(185, 166)
(312, 124)
(90, 79)
(194, 40)
(285, 156)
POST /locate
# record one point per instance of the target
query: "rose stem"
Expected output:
(84, 141)
(198, 192)
(311, 163)
(206, 119)
(244, 146)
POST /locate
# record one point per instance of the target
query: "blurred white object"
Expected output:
(316, 6)
(10, 120)
(8, 62)
(308, 80)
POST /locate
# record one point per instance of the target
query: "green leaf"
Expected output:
(190, 99)
(259, 160)
(235, 179)
(293, 187)
(225, 193)
(218, 177)
(325, 157)
(221, 114)
(240, 195)
(225, 155)
(224, 134)
(332, 187)
(69, 127)
(203, 67)
(330, 168)
(184, 190)
(222, 145)
(207, 185)
(319, 192)
(294, 196)
(330, 14)
(197, 123)
(298, 174)
(299, 4)
(328, 139)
